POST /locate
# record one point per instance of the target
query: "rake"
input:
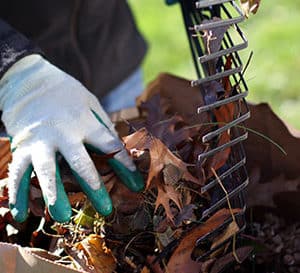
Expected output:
(215, 37)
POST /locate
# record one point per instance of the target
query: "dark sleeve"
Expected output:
(13, 47)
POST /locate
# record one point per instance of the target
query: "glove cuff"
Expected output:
(17, 81)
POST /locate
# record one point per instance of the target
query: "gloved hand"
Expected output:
(46, 111)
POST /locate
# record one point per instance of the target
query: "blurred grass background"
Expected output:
(273, 33)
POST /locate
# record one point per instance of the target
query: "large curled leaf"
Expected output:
(181, 260)
(160, 155)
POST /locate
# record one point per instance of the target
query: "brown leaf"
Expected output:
(242, 253)
(76, 198)
(231, 229)
(145, 269)
(213, 37)
(181, 97)
(206, 265)
(220, 158)
(186, 214)
(4, 193)
(5, 156)
(180, 260)
(212, 40)
(172, 174)
(274, 176)
(263, 194)
(125, 201)
(249, 6)
(154, 265)
(171, 130)
(98, 255)
(263, 154)
(160, 155)
(165, 194)
(224, 115)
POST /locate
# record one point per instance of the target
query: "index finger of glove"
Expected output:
(102, 141)
(87, 176)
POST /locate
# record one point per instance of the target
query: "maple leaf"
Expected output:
(160, 155)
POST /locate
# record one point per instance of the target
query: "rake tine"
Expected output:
(212, 152)
(221, 202)
(223, 175)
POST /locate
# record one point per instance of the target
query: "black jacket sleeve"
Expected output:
(13, 47)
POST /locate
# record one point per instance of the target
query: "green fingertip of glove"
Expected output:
(19, 210)
(99, 198)
(61, 211)
(132, 179)
(19, 214)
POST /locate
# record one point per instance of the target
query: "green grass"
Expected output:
(273, 34)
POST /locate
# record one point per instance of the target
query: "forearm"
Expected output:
(13, 47)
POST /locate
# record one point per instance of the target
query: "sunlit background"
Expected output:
(273, 33)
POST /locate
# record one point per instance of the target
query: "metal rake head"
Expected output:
(215, 40)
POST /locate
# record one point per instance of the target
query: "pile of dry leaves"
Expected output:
(157, 230)
(153, 231)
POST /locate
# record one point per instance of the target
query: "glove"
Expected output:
(47, 112)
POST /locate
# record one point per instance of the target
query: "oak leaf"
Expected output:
(171, 130)
(165, 194)
(160, 155)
